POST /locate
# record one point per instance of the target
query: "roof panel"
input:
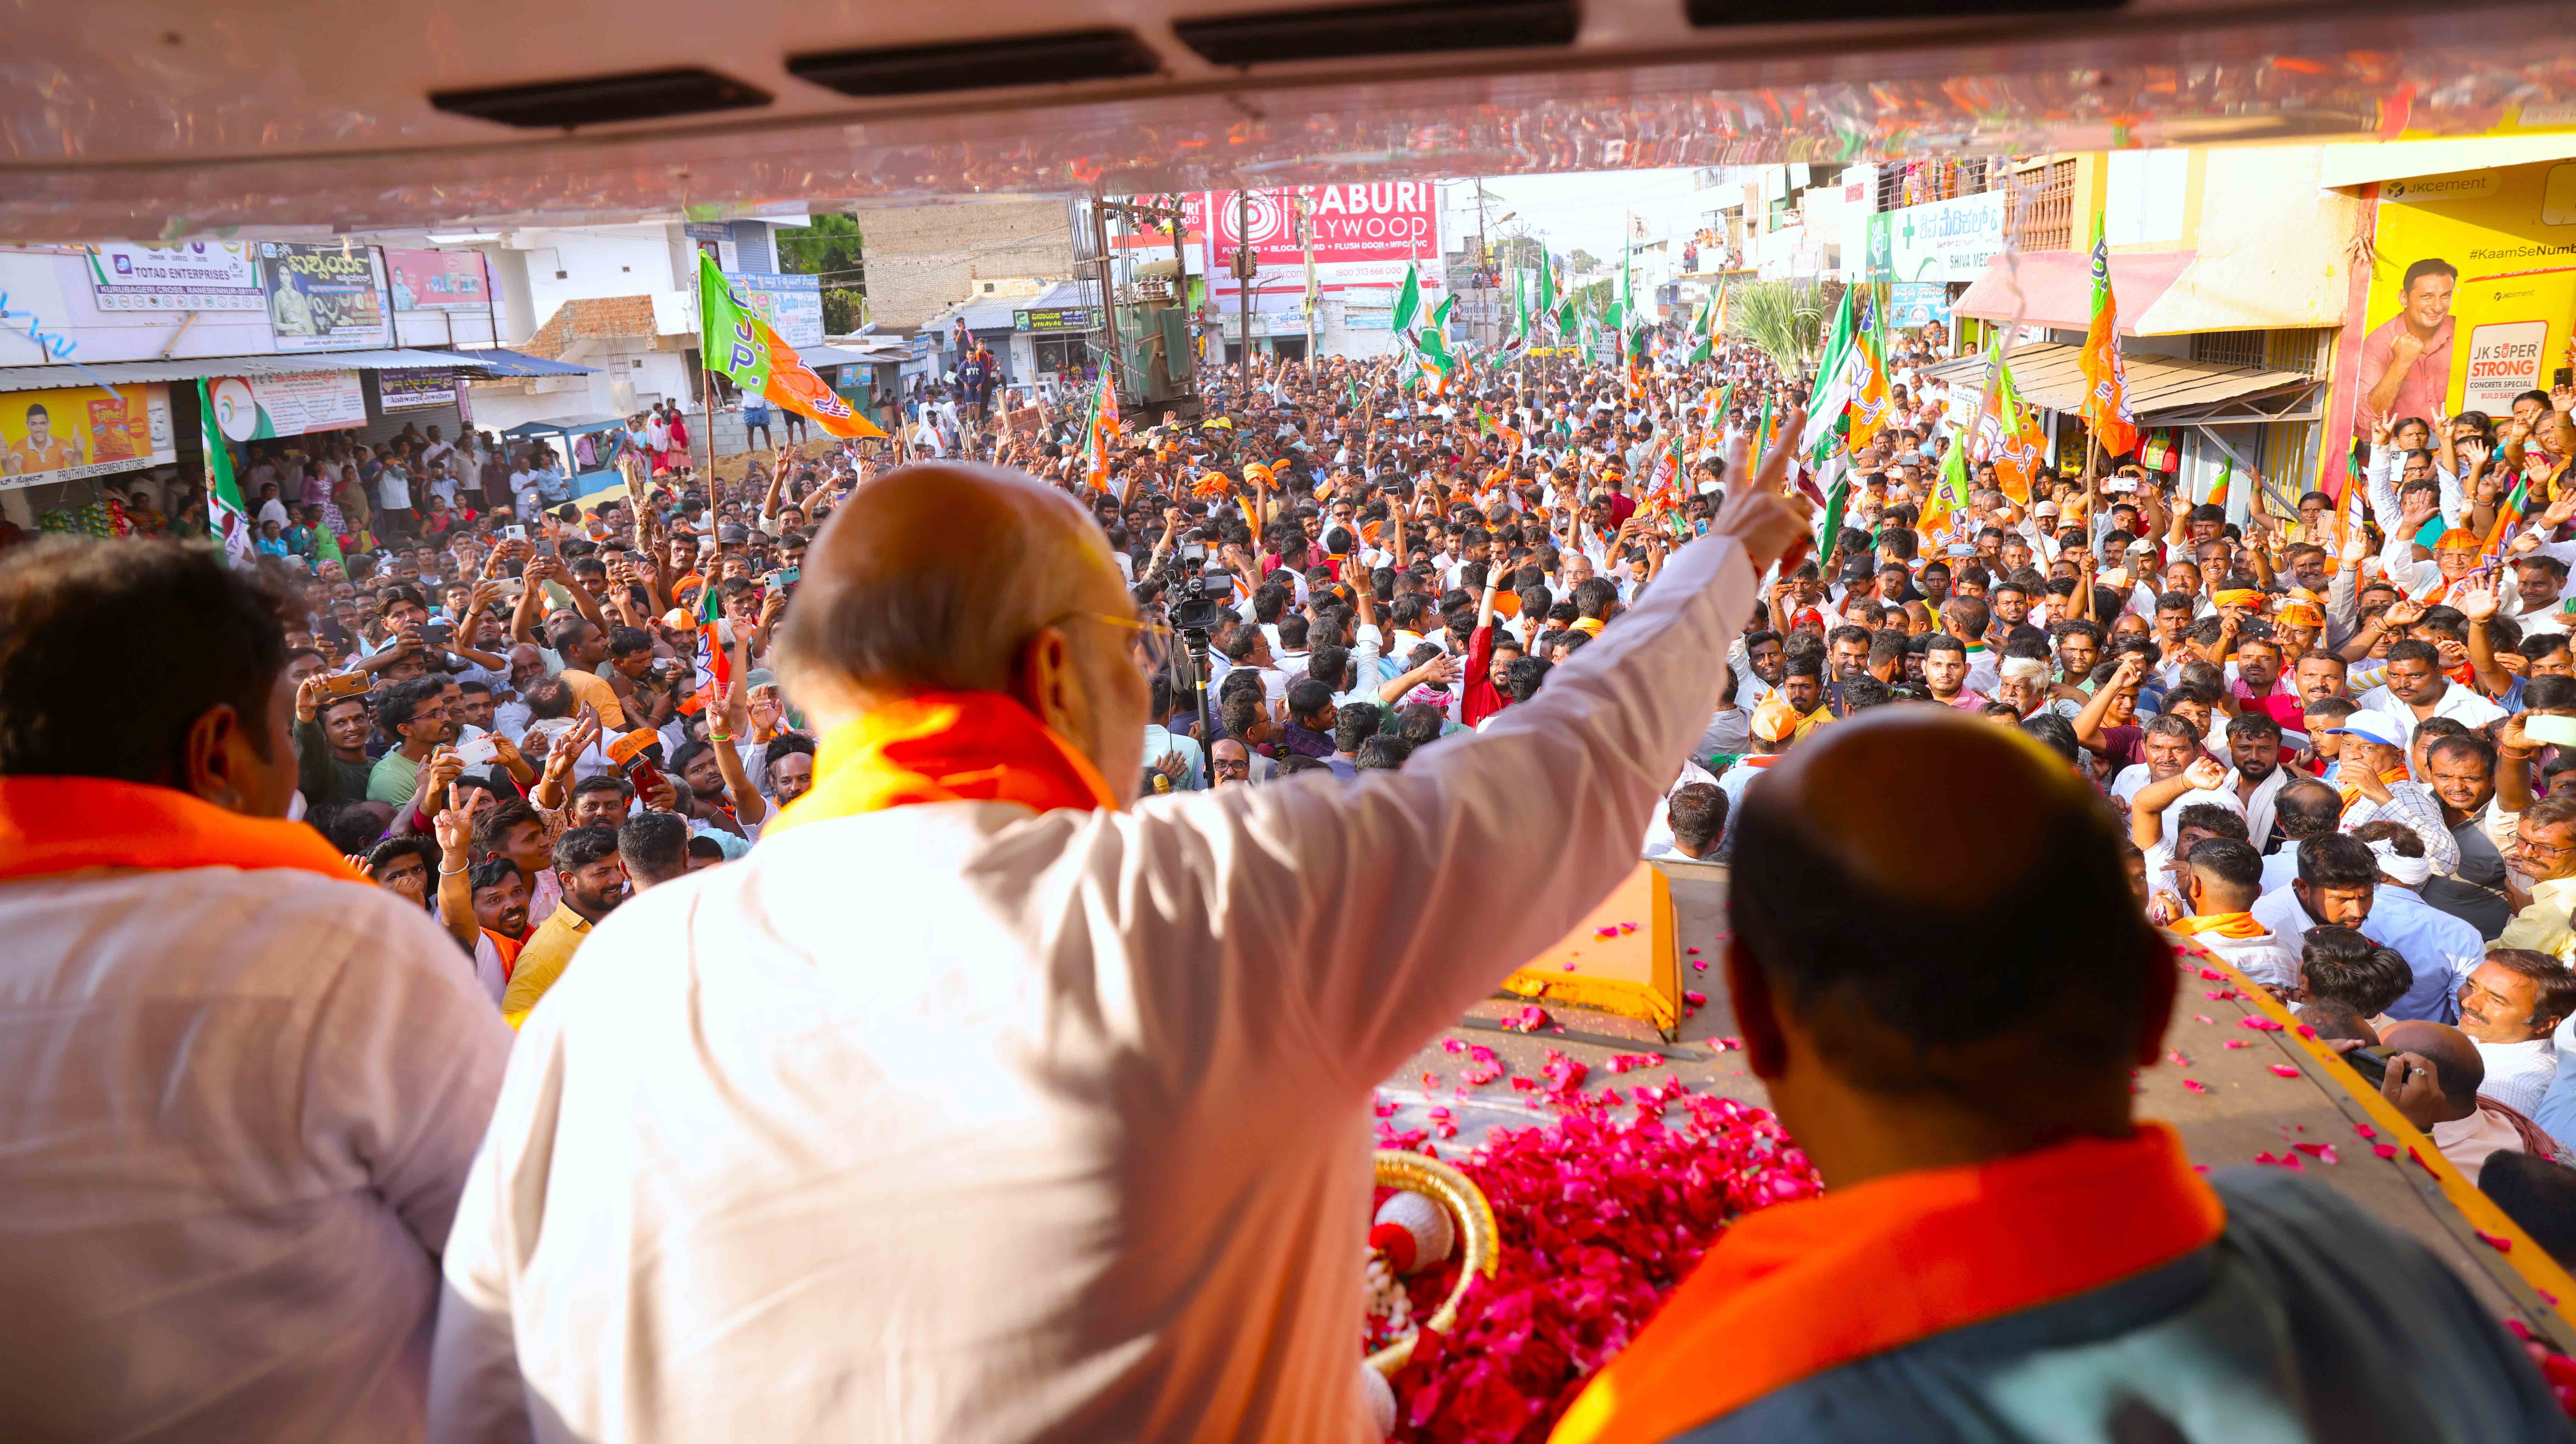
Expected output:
(117, 373)
(2051, 376)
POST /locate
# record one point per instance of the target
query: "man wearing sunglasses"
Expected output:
(963, 1090)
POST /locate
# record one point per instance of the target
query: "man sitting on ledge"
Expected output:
(1944, 981)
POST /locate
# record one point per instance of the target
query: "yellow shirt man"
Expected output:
(548, 952)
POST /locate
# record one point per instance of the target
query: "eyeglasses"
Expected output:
(2531, 848)
(1149, 644)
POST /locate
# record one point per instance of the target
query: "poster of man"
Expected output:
(41, 448)
(2471, 297)
(323, 296)
(2406, 360)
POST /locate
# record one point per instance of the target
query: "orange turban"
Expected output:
(2457, 539)
(2237, 597)
(2299, 614)
(1775, 720)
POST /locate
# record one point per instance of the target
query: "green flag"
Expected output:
(1440, 313)
(227, 520)
(1546, 285)
(1408, 301)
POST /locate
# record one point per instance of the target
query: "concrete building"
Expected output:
(922, 260)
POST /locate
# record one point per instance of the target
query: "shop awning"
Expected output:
(564, 426)
(843, 356)
(2163, 390)
(2056, 289)
(504, 363)
(117, 373)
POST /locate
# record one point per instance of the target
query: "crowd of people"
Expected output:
(2325, 740)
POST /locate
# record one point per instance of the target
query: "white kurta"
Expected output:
(953, 1123)
(239, 1108)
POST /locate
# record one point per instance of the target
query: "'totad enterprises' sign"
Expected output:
(1059, 318)
(192, 276)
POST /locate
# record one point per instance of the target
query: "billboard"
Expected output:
(194, 276)
(79, 431)
(1364, 235)
(322, 297)
(2471, 294)
(250, 408)
(1943, 241)
(438, 280)
(792, 305)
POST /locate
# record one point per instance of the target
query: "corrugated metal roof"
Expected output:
(505, 362)
(2051, 375)
(993, 313)
(117, 373)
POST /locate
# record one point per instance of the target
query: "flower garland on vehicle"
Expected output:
(1601, 1216)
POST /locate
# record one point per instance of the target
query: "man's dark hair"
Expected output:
(1308, 697)
(383, 853)
(2229, 860)
(655, 845)
(1420, 724)
(2554, 694)
(2051, 730)
(2059, 953)
(1383, 753)
(2340, 965)
(2429, 266)
(1522, 679)
(582, 846)
(786, 744)
(493, 827)
(1354, 726)
(1595, 596)
(627, 641)
(403, 700)
(2473, 744)
(490, 872)
(2250, 723)
(604, 782)
(2338, 860)
(1329, 664)
(182, 631)
(2213, 819)
(1697, 813)
(1297, 762)
(2538, 1194)
(2411, 650)
(548, 698)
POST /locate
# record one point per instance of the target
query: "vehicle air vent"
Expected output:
(1350, 32)
(980, 64)
(603, 99)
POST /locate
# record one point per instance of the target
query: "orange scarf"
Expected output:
(1800, 1288)
(946, 747)
(2226, 925)
(507, 949)
(2351, 795)
(52, 825)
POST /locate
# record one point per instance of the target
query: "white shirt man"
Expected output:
(1009, 1096)
(2458, 702)
(393, 488)
(242, 1102)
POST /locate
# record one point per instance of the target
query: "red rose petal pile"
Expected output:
(2554, 1366)
(1602, 1214)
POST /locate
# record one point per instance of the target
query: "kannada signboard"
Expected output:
(414, 390)
(80, 431)
(792, 305)
(1944, 241)
(1918, 303)
(322, 297)
(1058, 318)
(1364, 235)
(251, 408)
(193, 276)
(438, 280)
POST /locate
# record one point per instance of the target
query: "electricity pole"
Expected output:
(1244, 269)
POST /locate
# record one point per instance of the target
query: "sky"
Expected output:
(1583, 210)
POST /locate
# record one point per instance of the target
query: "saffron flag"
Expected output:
(2008, 435)
(740, 345)
(2106, 385)
(227, 520)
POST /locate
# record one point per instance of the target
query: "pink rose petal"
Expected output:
(2384, 1150)
(2285, 1070)
(2495, 1241)
(2195, 1085)
(1696, 1000)
(2258, 1023)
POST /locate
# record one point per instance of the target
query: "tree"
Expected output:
(834, 250)
(1782, 318)
(1581, 261)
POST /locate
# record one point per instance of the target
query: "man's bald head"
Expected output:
(1919, 885)
(934, 577)
(2457, 1064)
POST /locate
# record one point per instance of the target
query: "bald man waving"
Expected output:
(980, 1103)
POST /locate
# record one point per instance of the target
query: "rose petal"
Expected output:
(2195, 1085)
(2285, 1070)
(2202, 1018)
(2384, 1150)
(2365, 1130)
(2495, 1241)
(1696, 1000)
(2258, 1023)
(2235, 1043)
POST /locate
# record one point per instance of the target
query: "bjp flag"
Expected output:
(740, 345)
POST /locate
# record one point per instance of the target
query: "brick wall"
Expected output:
(599, 318)
(923, 258)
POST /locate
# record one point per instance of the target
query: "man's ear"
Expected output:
(1766, 1050)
